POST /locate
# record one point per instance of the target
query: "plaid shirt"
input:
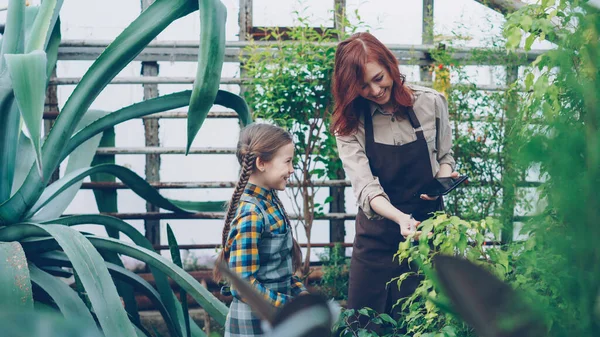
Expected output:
(244, 238)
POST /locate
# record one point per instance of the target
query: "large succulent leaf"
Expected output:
(131, 179)
(43, 25)
(90, 268)
(154, 105)
(30, 14)
(138, 284)
(67, 301)
(215, 308)
(10, 142)
(52, 48)
(176, 257)
(79, 159)
(236, 103)
(43, 323)
(106, 200)
(213, 15)
(28, 77)
(15, 284)
(114, 58)
(126, 291)
(12, 165)
(25, 159)
(162, 283)
(13, 39)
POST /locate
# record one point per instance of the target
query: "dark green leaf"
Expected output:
(176, 257)
(67, 301)
(213, 15)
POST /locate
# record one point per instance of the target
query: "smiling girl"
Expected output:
(257, 237)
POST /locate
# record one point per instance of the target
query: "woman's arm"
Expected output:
(384, 208)
(444, 146)
(444, 136)
(356, 165)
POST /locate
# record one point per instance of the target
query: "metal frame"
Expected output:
(187, 51)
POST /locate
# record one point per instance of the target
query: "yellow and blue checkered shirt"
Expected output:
(243, 241)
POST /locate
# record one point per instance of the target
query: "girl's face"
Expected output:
(275, 173)
(377, 84)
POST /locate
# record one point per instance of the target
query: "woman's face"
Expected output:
(377, 84)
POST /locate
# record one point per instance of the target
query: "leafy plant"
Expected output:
(35, 241)
(479, 121)
(556, 266)
(291, 86)
(450, 236)
(347, 324)
(562, 87)
(335, 268)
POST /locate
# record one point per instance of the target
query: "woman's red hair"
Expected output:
(351, 57)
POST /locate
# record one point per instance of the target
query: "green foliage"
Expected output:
(479, 124)
(450, 236)
(559, 266)
(290, 85)
(347, 324)
(335, 267)
(558, 139)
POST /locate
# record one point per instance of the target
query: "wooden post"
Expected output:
(426, 75)
(245, 19)
(152, 227)
(51, 106)
(245, 23)
(510, 172)
(337, 228)
(339, 18)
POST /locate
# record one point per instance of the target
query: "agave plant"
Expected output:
(36, 243)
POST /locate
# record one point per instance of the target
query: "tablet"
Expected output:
(442, 186)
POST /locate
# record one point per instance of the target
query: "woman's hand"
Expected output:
(431, 198)
(408, 225)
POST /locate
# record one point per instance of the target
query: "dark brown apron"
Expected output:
(401, 170)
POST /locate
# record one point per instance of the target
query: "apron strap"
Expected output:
(255, 202)
(412, 117)
(414, 121)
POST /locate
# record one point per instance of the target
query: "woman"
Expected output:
(392, 139)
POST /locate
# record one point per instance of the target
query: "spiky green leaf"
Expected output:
(28, 76)
(176, 257)
(67, 301)
(79, 159)
(95, 278)
(43, 25)
(213, 16)
(130, 178)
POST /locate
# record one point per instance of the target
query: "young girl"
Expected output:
(257, 237)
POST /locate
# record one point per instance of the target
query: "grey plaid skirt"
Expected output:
(241, 321)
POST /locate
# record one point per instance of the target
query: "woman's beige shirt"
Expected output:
(431, 109)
